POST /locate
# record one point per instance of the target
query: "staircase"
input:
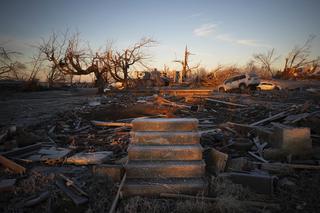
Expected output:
(164, 157)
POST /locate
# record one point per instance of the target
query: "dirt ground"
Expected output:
(65, 117)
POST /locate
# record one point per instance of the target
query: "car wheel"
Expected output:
(276, 88)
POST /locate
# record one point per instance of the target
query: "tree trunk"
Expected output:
(100, 83)
(125, 75)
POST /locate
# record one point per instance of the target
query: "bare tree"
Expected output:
(266, 60)
(118, 63)
(68, 56)
(186, 69)
(9, 68)
(299, 57)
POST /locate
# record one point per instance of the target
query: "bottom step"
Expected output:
(147, 187)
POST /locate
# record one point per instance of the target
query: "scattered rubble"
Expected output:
(259, 142)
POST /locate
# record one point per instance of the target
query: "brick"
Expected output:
(165, 152)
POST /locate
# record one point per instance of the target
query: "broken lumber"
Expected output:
(116, 199)
(88, 158)
(22, 151)
(110, 124)
(257, 157)
(7, 185)
(225, 102)
(70, 182)
(280, 167)
(75, 197)
(12, 165)
(272, 118)
(42, 197)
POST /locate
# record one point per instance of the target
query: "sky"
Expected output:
(216, 32)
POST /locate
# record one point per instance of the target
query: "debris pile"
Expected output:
(260, 147)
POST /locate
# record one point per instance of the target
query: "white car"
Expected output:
(268, 86)
(241, 82)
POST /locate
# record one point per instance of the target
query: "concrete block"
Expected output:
(216, 161)
(292, 139)
(165, 124)
(157, 138)
(165, 152)
(165, 169)
(156, 187)
(260, 183)
(115, 172)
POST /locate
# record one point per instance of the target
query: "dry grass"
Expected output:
(101, 191)
(228, 196)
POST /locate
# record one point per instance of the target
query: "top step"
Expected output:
(165, 124)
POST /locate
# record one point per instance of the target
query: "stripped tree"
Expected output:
(68, 56)
(10, 68)
(266, 60)
(299, 57)
(186, 69)
(118, 63)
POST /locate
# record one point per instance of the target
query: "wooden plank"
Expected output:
(271, 118)
(110, 124)
(116, 199)
(22, 150)
(225, 102)
(12, 165)
(7, 185)
(42, 197)
(76, 198)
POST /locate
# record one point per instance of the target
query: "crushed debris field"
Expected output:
(261, 152)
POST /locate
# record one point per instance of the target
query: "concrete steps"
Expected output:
(164, 157)
(164, 124)
(165, 169)
(149, 187)
(165, 152)
(163, 138)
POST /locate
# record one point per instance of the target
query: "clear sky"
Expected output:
(217, 32)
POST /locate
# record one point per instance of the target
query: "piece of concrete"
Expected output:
(115, 172)
(52, 153)
(89, 158)
(292, 139)
(260, 183)
(165, 169)
(239, 164)
(165, 124)
(156, 187)
(165, 152)
(216, 161)
(162, 138)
